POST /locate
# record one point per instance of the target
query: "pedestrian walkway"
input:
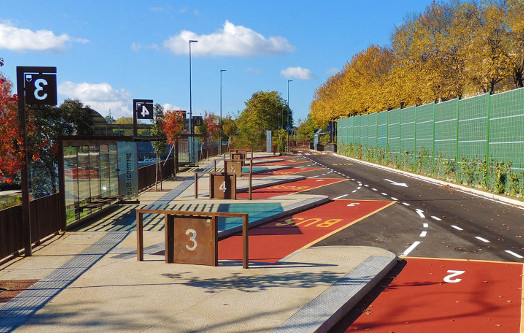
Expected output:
(89, 278)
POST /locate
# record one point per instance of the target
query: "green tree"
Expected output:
(79, 116)
(264, 111)
(124, 121)
(159, 145)
(229, 129)
(306, 130)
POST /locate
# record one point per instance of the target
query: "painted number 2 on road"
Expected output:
(452, 277)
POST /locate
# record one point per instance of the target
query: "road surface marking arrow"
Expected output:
(395, 183)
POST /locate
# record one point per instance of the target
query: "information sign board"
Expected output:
(143, 108)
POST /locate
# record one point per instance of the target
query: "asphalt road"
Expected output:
(428, 220)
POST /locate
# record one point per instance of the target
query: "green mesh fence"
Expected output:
(477, 141)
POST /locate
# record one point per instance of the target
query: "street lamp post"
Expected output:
(220, 125)
(190, 107)
(289, 112)
(288, 100)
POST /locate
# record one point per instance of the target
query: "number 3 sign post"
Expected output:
(34, 86)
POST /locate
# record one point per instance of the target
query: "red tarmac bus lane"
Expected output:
(288, 188)
(275, 240)
(294, 170)
(284, 162)
(444, 295)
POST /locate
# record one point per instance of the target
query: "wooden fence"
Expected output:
(45, 221)
(147, 174)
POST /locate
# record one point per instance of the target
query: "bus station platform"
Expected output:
(89, 279)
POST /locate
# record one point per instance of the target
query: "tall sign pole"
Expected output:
(190, 108)
(220, 123)
(34, 86)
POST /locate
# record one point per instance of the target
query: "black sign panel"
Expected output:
(198, 120)
(40, 86)
(143, 108)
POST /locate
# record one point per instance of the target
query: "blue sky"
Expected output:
(108, 52)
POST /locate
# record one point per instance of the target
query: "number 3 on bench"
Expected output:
(192, 239)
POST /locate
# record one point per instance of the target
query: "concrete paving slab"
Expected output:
(124, 295)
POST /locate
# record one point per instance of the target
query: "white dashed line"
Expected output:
(458, 228)
(406, 204)
(366, 185)
(353, 191)
(340, 197)
(409, 249)
(435, 218)
(423, 233)
(420, 213)
(425, 225)
(514, 254)
(374, 189)
(358, 188)
(384, 193)
(393, 198)
(482, 239)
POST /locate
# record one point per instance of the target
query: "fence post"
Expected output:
(387, 136)
(433, 143)
(487, 138)
(415, 136)
(457, 142)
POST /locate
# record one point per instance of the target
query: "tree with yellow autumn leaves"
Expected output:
(453, 49)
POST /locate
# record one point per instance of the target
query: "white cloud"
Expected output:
(16, 39)
(332, 70)
(168, 106)
(100, 97)
(231, 40)
(298, 73)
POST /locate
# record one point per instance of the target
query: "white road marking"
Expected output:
(482, 239)
(366, 185)
(340, 197)
(514, 254)
(420, 213)
(425, 225)
(436, 218)
(353, 191)
(458, 228)
(395, 183)
(406, 204)
(314, 177)
(384, 193)
(423, 233)
(410, 248)
(374, 189)
(393, 198)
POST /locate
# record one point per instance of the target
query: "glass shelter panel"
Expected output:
(70, 181)
(128, 170)
(94, 171)
(105, 174)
